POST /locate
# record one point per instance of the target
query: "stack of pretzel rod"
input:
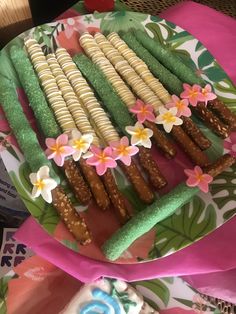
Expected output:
(36, 159)
(142, 70)
(78, 112)
(63, 116)
(158, 211)
(46, 120)
(104, 125)
(172, 72)
(114, 105)
(97, 56)
(139, 87)
(74, 110)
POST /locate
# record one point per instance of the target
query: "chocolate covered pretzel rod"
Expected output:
(223, 112)
(82, 122)
(142, 69)
(36, 158)
(46, 119)
(168, 79)
(112, 101)
(103, 124)
(156, 212)
(94, 52)
(60, 109)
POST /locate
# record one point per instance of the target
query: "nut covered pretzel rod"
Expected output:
(142, 69)
(82, 122)
(36, 159)
(46, 119)
(156, 212)
(168, 79)
(127, 72)
(87, 97)
(60, 109)
(212, 121)
(223, 112)
(114, 104)
(93, 51)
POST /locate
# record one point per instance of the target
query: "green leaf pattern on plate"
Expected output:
(189, 224)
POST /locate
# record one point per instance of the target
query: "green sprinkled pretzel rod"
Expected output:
(144, 46)
(114, 106)
(46, 119)
(158, 211)
(36, 159)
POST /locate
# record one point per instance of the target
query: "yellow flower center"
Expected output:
(204, 92)
(168, 117)
(122, 150)
(40, 184)
(103, 158)
(199, 177)
(141, 134)
(180, 104)
(79, 144)
(144, 109)
(57, 149)
(193, 93)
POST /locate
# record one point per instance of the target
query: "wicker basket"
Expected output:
(156, 6)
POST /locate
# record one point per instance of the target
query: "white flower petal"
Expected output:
(139, 125)
(88, 155)
(85, 147)
(43, 172)
(135, 140)
(88, 138)
(149, 132)
(50, 184)
(33, 177)
(178, 121)
(162, 110)
(75, 134)
(173, 110)
(168, 127)
(77, 154)
(35, 192)
(130, 130)
(146, 143)
(159, 119)
(47, 195)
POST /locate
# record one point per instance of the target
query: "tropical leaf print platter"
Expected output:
(203, 214)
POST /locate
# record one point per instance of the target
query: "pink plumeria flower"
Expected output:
(196, 177)
(206, 94)
(102, 159)
(123, 151)
(139, 135)
(58, 149)
(230, 144)
(191, 93)
(182, 106)
(143, 111)
(168, 117)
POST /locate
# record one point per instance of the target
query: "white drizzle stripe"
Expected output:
(86, 96)
(94, 52)
(49, 85)
(140, 67)
(71, 99)
(127, 72)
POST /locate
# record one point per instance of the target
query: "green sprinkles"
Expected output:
(147, 219)
(168, 59)
(168, 79)
(104, 89)
(22, 130)
(38, 102)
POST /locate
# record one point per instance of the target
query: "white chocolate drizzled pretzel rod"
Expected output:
(140, 67)
(127, 72)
